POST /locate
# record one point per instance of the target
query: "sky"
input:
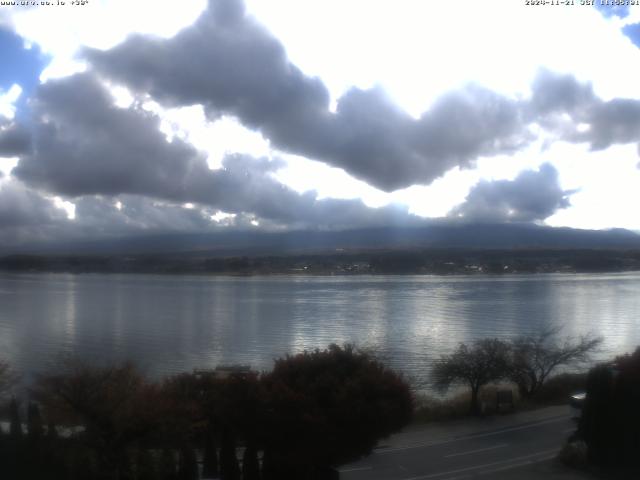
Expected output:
(123, 118)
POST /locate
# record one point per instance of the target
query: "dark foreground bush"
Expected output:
(313, 412)
(610, 423)
(329, 407)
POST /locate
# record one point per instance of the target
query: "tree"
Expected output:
(34, 422)
(15, 425)
(146, 465)
(610, 421)
(167, 465)
(250, 464)
(188, 465)
(210, 455)
(533, 358)
(485, 361)
(328, 407)
(115, 406)
(187, 416)
(211, 411)
(8, 378)
(229, 468)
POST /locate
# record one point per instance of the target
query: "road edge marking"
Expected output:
(469, 452)
(544, 453)
(469, 437)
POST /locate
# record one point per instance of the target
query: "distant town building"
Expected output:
(222, 372)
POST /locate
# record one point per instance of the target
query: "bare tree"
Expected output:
(535, 357)
(485, 361)
(8, 378)
(115, 406)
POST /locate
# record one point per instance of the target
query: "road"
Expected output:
(477, 451)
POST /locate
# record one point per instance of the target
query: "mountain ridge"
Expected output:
(434, 235)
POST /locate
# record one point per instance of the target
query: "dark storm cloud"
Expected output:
(374, 140)
(231, 65)
(81, 146)
(562, 105)
(559, 93)
(84, 145)
(20, 206)
(225, 61)
(532, 195)
(25, 215)
(245, 184)
(14, 139)
(100, 216)
(614, 122)
(29, 218)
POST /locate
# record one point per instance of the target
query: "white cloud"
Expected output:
(416, 50)
(8, 100)
(607, 182)
(65, 205)
(62, 30)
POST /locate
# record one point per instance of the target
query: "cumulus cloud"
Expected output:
(531, 196)
(375, 141)
(84, 144)
(29, 217)
(15, 139)
(231, 65)
(614, 122)
(235, 67)
(570, 110)
(559, 93)
(125, 176)
(26, 215)
(21, 206)
(100, 217)
(94, 148)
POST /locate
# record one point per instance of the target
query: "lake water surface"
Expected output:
(169, 324)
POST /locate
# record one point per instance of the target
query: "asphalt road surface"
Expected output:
(470, 455)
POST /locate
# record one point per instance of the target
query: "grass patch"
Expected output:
(431, 408)
(555, 391)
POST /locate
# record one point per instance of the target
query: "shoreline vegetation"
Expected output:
(556, 391)
(312, 413)
(340, 262)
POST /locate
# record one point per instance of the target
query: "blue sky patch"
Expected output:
(612, 10)
(633, 32)
(20, 65)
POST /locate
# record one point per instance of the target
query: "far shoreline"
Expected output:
(432, 262)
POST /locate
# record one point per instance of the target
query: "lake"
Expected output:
(169, 324)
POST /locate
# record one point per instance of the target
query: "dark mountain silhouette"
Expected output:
(434, 235)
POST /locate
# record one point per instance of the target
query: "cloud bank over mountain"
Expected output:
(531, 196)
(88, 165)
(235, 67)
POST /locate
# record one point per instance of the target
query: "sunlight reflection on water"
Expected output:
(174, 323)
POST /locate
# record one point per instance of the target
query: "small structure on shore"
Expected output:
(222, 372)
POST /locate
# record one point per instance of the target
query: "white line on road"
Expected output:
(519, 461)
(468, 437)
(516, 465)
(355, 469)
(476, 451)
